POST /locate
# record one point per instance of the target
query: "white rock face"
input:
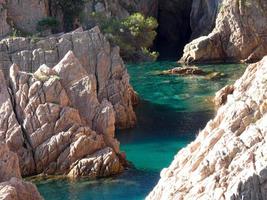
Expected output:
(228, 159)
(239, 34)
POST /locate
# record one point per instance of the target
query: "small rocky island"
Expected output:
(64, 90)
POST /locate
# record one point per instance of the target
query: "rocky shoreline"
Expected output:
(227, 160)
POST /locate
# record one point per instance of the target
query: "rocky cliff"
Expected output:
(239, 34)
(228, 159)
(54, 122)
(93, 52)
(203, 16)
(60, 102)
(11, 185)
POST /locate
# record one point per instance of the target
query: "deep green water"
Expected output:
(172, 110)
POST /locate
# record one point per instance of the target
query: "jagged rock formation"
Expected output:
(54, 122)
(95, 55)
(228, 158)
(239, 34)
(203, 16)
(11, 185)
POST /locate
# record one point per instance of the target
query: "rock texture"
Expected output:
(11, 185)
(55, 123)
(23, 15)
(94, 53)
(228, 159)
(203, 16)
(4, 26)
(239, 34)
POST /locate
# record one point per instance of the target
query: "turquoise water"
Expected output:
(171, 112)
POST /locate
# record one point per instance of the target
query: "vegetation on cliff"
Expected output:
(134, 35)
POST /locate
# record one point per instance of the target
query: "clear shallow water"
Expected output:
(171, 112)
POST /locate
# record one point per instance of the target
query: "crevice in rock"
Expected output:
(27, 142)
(174, 29)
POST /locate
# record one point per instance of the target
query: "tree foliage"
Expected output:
(134, 34)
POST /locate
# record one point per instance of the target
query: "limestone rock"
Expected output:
(239, 34)
(107, 73)
(11, 185)
(227, 160)
(59, 121)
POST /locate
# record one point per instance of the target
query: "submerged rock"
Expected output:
(185, 71)
(228, 159)
(239, 34)
(56, 123)
(11, 185)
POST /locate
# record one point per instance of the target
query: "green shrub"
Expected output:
(134, 35)
(47, 23)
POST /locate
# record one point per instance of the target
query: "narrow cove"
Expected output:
(171, 112)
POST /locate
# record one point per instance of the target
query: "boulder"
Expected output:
(227, 160)
(239, 35)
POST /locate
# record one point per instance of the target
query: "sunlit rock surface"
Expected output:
(54, 122)
(94, 53)
(228, 159)
(239, 34)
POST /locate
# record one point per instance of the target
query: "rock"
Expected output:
(24, 15)
(239, 35)
(9, 164)
(203, 16)
(185, 71)
(214, 75)
(102, 62)
(227, 160)
(4, 26)
(60, 123)
(221, 96)
(11, 185)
